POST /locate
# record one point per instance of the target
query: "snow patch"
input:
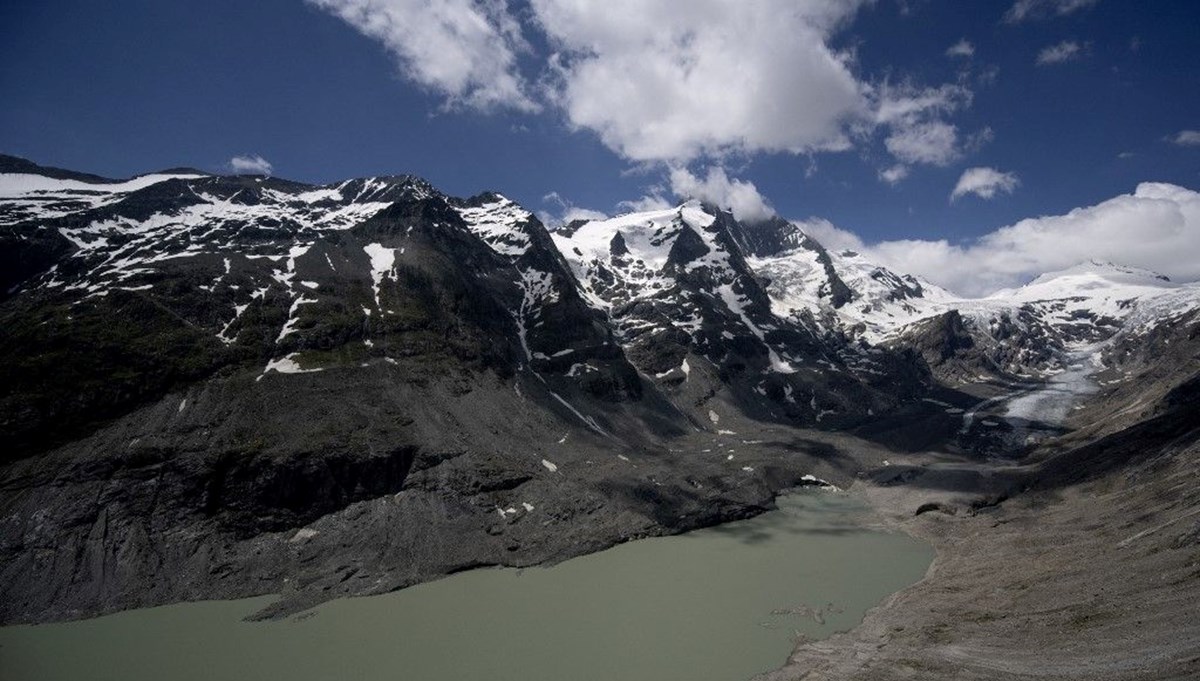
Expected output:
(287, 365)
(383, 263)
(303, 534)
(591, 423)
(499, 224)
(817, 482)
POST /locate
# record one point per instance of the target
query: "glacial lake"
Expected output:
(719, 604)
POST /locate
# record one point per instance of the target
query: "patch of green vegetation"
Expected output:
(70, 367)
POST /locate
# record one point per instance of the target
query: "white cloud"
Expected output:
(906, 103)
(741, 197)
(1156, 227)
(962, 48)
(831, 236)
(914, 118)
(933, 142)
(564, 212)
(978, 140)
(660, 81)
(465, 50)
(895, 174)
(1041, 9)
(250, 165)
(576, 213)
(652, 201)
(1067, 50)
(984, 183)
(1186, 138)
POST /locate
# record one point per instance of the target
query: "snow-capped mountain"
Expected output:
(677, 274)
(681, 289)
(1041, 327)
(308, 278)
(1034, 329)
(255, 271)
(844, 290)
(198, 367)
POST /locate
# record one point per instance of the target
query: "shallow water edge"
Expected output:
(725, 602)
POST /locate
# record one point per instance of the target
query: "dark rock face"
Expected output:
(204, 361)
(203, 366)
(776, 236)
(947, 346)
(680, 292)
(772, 236)
(75, 366)
(226, 386)
(902, 287)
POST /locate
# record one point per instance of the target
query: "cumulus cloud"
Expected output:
(741, 197)
(1156, 227)
(906, 103)
(465, 50)
(563, 211)
(933, 142)
(895, 174)
(984, 183)
(1067, 50)
(914, 116)
(250, 165)
(1023, 10)
(659, 81)
(652, 201)
(831, 236)
(962, 48)
(1186, 138)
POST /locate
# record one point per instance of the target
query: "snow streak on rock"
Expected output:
(383, 264)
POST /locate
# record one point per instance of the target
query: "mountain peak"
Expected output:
(1091, 275)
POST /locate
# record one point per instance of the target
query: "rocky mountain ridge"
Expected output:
(233, 385)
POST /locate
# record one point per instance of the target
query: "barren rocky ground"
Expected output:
(1083, 566)
(220, 387)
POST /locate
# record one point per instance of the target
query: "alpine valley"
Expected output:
(225, 386)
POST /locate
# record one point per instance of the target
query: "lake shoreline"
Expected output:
(721, 602)
(1060, 580)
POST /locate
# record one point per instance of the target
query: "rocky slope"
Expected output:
(223, 386)
(236, 385)
(1081, 561)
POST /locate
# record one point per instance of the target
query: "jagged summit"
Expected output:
(383, 365)
(668, 283)
(635, 267)
(628, 263)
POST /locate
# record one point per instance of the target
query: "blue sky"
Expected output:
(1068, 103)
